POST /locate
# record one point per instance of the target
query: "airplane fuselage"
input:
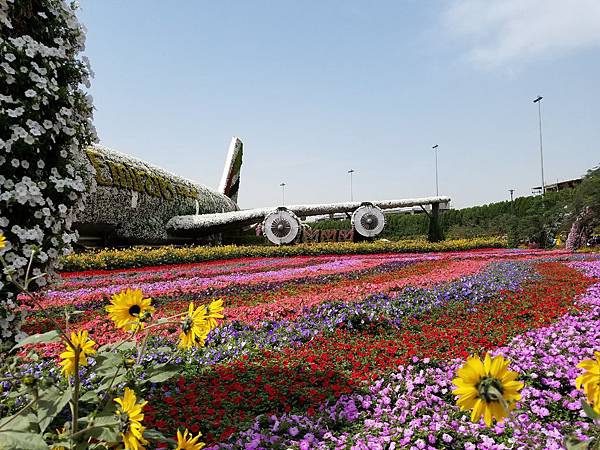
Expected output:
(134, 200)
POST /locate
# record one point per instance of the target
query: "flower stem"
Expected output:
(75, 396)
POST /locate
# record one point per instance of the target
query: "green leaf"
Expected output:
(159, 375)
(572, 443)
(155, 435)
(163, 349)
(10, 440)
(23, 423)
(106, 384)
(50, 404)
(108, 430)
(589, 411)
(122, 346)
(107, 364)
(89, 396)
(50, 336)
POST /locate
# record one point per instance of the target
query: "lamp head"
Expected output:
(539, 97)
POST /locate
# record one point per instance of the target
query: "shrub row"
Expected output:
(144, 256)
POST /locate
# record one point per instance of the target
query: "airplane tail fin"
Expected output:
(230, 180)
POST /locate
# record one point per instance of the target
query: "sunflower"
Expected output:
(590, 380)
(84, 345)
(130, 421)
(214, 310)
(2, 241)
(487, 388)
(128, 309)
(186, 441)
(194, 328)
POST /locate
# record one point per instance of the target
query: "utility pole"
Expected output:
(282, 194)
(351, 171)
(538, 100)
(437, 192)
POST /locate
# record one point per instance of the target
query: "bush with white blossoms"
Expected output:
(45, 121)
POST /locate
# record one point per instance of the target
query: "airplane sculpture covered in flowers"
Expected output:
(136, 202)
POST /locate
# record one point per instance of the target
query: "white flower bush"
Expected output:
(45, 121)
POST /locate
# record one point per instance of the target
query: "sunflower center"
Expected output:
(123, 422)
(134, 310)
(187, 324)
(490, 389)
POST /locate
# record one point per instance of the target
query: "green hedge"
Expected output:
(518, 220)
(143, 256)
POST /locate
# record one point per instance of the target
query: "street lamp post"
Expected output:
(351, 171)
(538, 100)
(282, 194)
(511, 194)
(437, 192)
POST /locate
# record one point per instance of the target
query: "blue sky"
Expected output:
(318, 87)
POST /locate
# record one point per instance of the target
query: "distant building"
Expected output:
(558, 186)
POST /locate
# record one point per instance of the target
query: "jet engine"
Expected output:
(281, 226)
(368, 220)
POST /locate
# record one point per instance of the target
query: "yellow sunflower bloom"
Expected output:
(486, 388)
(128, 308)
(590, 380)
(186, 441)
(194, 328)
(214, 310)
(85, 347)
(130, 421)
(2, 241)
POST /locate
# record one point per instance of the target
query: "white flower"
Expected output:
(15, 112)
(9, 70)
(35, 66)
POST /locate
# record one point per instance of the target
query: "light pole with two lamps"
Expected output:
(538, 100)
(437, 192)
(351, 171)
(282, 194)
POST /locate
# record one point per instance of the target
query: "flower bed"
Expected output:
(141, 257)
(355, 351)
(414, 407)
(256, 289)
(468, 317)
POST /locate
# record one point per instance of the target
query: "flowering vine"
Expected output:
(45, 121)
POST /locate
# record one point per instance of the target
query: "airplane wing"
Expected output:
(285, 219)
